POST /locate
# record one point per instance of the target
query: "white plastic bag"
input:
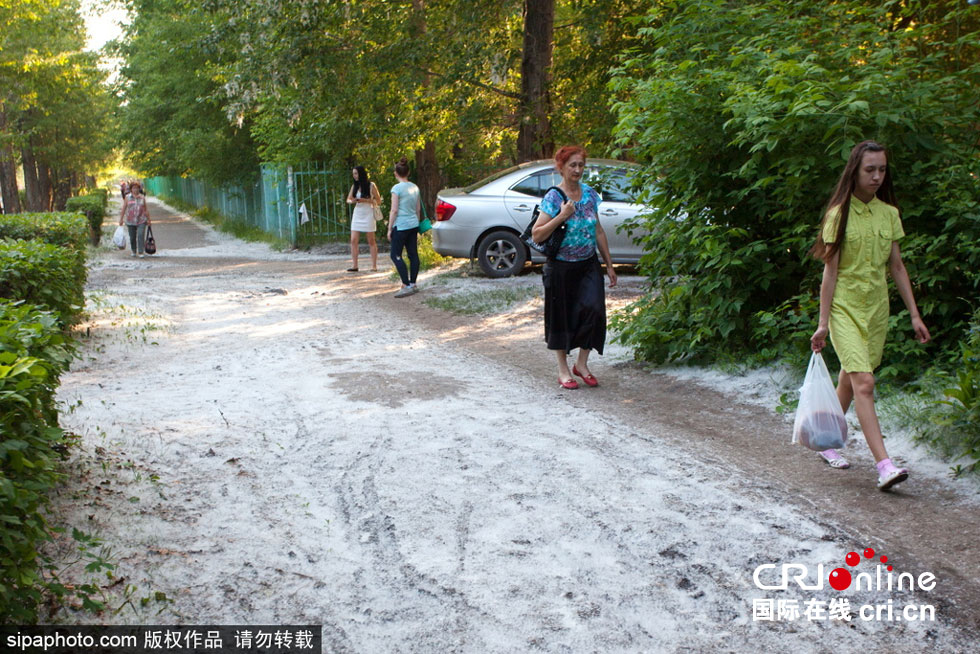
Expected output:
(119, 237)
(820, 423)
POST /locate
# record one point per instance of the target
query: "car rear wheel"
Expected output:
(501, 254)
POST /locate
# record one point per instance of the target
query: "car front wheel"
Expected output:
(501, 254)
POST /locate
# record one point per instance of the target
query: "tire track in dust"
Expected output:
(439, 614)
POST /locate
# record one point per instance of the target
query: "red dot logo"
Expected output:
(869, 553)
(852, 558)
(839, 579)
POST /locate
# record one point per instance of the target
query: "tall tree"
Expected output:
(173, 120)
(534, 139)
(53, 100)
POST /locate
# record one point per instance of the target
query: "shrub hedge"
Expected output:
(42, 279)
(34, 351)
(92, 205)
(65, 229)
(44, 275)
(42, 261)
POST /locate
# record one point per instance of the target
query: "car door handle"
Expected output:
(523, 207)
(610, 212)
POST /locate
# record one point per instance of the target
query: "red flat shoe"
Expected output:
(590, 380)
(570, 384)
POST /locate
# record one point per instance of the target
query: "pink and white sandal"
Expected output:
(834, 459)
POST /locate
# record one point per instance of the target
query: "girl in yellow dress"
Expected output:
(857, 251)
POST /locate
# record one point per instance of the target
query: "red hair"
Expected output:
(566, 152)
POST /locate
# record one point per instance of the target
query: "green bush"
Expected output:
(45, 275)
(93, 206)
(428, 257)
(958, 420)
(743, 115)
(33, 353)
(101, 192)
(65, 229)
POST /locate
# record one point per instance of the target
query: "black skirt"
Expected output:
(574, 305)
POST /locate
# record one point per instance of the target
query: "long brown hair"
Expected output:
(362, 183)
(841, 198)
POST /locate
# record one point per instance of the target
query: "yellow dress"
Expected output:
(859, 311)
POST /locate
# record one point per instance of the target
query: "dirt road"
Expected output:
(267, 439)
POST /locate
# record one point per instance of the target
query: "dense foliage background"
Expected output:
(744, 114)
(210, 86)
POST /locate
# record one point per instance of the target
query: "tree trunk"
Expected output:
(32, 187)
(44, 180)
(8, 171)
(62, 189)
(534, 139)
(426, 163)
(3, 187)
(429, 178)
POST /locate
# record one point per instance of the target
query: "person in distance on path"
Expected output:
(137, 218)
(365, 197)
(403, 228)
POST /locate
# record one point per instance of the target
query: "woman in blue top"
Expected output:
(574, 296)
(403, 228)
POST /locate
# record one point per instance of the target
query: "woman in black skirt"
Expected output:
(574, 296)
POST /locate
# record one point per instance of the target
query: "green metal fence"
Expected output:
(295, 203)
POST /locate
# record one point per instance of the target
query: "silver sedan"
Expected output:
(484, 221)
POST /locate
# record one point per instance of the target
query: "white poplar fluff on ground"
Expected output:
(281, 452)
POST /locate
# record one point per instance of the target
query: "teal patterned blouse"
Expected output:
(579, 243)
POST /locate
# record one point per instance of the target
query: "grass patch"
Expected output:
(428, 257)
(238, 229)
(467, 270)
(228, 225)
(483, 302)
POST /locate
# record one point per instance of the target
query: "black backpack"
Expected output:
(553, 243)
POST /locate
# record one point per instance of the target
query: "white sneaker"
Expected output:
(405, 291)
(414, 287)
(142, 256)
(896, 476)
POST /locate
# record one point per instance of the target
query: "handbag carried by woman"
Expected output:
(151, 243)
